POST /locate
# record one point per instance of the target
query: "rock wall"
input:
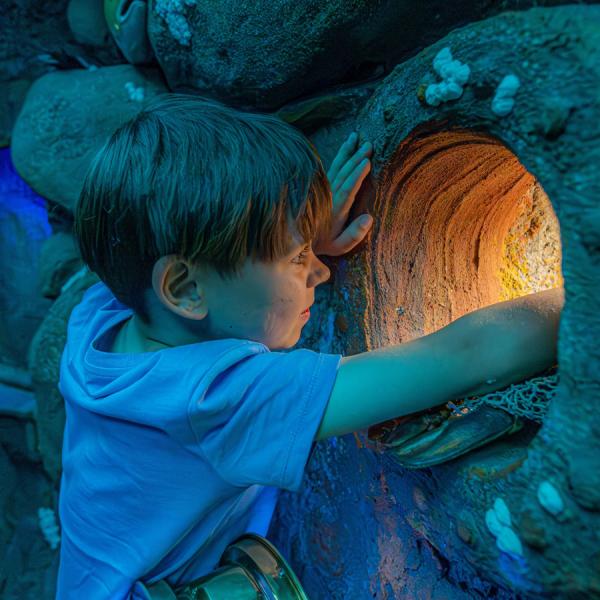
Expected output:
(543, 482)
(473, 177)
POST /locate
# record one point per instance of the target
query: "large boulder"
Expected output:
(87, 23)
(11, 101)
(262, 53)
(59, 260)
(461, 189)
(67, 117)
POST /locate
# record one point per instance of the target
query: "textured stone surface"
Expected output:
(23, 229)
(59, 259)
(11, 101)
(362, 528)
(262, 54)
(36, 39)
(46, 351)
(67, 117)
(27, 565)
(553, 131)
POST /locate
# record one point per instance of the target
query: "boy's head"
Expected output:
(199, 217)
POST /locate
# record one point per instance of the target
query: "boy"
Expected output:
(204, 224)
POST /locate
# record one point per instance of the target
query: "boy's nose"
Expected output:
(320, 273)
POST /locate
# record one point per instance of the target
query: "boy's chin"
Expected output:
(284, 345)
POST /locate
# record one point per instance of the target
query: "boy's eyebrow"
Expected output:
(296, 243)
(301, 246)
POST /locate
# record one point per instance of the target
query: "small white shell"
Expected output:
(49, 527)
(508, 86)
(455, 71)
(454, 75)
(451, 90)
(549, 498)
(502, 512)
(134, 93)
(503, 101)
(441, 58)
(502, 106)
(462, 74)
(432, 95)
(491, 520)
(508, 541)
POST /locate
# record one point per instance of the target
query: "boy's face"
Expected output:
(266, 302)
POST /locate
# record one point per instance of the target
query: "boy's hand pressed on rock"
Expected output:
(346, 174)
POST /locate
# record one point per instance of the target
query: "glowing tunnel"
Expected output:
(462, 225)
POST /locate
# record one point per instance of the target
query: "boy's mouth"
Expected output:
(305, 313)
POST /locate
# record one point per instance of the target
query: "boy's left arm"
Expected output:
(346, 174)
(480, 352)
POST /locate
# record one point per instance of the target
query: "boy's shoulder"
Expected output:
(123, 384)
(97, 297)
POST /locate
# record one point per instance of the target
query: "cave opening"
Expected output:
(464, 225)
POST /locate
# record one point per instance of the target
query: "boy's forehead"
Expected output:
(294, 239)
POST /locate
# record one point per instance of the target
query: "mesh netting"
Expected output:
(529, 399)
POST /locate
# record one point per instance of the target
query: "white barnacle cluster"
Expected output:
(498, 521)
(49, 527)
(173, 13)
(135, 93)
(504, 98)
(454, 74)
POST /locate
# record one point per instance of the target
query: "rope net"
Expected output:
(529, 399)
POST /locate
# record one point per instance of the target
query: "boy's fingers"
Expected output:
(364, 151)
(351, 236)
(344, 153)
(344, 197)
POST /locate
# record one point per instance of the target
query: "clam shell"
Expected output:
(457, 436)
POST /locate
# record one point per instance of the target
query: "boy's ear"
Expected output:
(177, 287)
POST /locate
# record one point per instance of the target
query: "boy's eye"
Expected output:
(302, 256)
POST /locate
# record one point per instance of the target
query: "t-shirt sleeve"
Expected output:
(255, 422)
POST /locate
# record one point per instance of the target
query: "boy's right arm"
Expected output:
(482, 351)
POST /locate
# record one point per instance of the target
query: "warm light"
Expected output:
(464, 225)
(531, 257)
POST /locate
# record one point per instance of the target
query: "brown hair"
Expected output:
(194, 178)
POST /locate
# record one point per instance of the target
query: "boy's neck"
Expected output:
(131, 339)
